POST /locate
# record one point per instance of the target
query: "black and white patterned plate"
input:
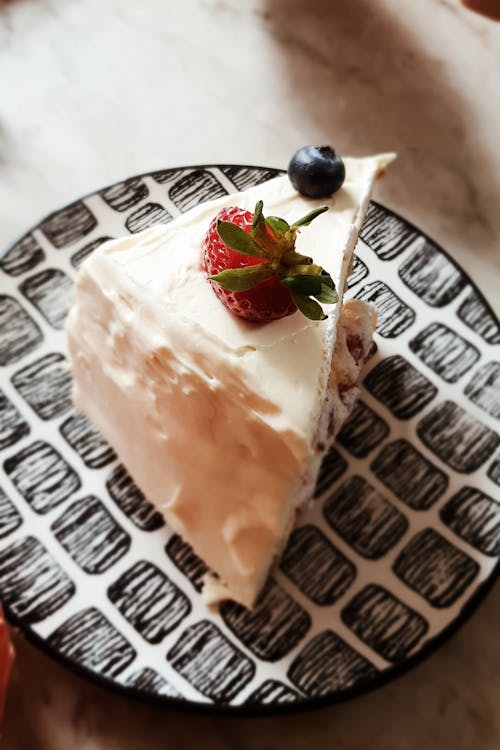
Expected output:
(402, 540)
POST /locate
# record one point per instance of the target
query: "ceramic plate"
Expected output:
(401, 541)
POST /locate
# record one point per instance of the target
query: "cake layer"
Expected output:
(353, 346)
(215, 418)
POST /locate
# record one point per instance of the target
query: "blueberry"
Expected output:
(316, 171)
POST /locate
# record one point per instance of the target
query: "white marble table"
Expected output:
(94, 91)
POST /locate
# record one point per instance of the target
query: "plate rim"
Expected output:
(304, 703)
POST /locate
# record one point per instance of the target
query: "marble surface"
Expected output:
(95, 91)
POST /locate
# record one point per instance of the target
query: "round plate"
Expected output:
(399, 545)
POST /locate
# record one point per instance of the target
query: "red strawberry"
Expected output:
(258, 274)
(268, 299)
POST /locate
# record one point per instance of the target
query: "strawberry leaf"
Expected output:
(279, 226)
(260, 233)
(257, 214)
(303, 284)
(321, 287)
(305, 269)
(308, 307)
(327, 295)
(327, 280)
(292, 258)
(306, 220)
(238, 240)
(242, 279)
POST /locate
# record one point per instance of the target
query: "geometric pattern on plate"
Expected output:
(392, 549)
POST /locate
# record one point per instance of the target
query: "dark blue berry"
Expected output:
(316, 171)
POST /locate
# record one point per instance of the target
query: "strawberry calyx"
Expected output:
(272, 240)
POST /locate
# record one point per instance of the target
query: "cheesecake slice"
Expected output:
(222, 423)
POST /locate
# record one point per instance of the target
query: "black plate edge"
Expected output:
(181, 705)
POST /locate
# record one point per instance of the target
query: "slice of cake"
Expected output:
(221, 422)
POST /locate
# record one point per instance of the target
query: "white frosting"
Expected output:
(215, 418)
